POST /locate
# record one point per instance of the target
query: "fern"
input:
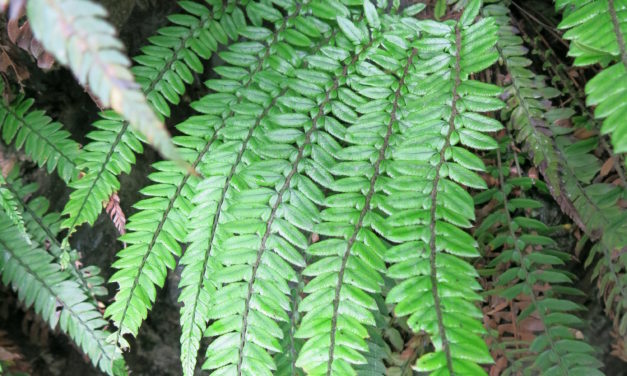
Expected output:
(77, 34)
(43, 140)
(438, 288)
(597, 30)
(338, 146)
(165, 67)
(593, 207)
(529, 278)
(43, 228)
(259, 93)
(11, 208)
(272, 200)
(57, 297)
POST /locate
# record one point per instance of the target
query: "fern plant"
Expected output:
(527, 274)
(165, 67)
(593, 207)
(61, 293)
(328, 203)
(597, 31)
(44, 141)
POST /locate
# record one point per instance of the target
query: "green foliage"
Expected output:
(93, 52)
(165, 67)
(597, 30)
(43, 140)
(11, 208)
(329, 196)
(438, 288)
(528, 273)
(568, 167)
(56, 294)
(43, 228)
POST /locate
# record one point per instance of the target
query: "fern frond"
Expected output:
(349, 261)
(77, 33)
(41, 282)
(43, 228)
(259, 93)
(164, 69)
(593, 207)
(270, 206)
(44, 141)
(10, 207)
(597, 30)
(426, 203)
(527, 274)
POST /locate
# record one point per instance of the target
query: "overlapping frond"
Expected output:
(567, 167)
(538, 334)
(597, 30)
(248, 89)
(165, 66)
(273, 198)
(154, 233)
(77, 33)
(56, 296)
(43, 140)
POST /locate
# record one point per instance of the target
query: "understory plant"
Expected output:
(355, 175)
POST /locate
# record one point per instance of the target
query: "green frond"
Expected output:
(11, 208)
(426, 205)
(527, 114)
(244, 95)
(165, 67)
(568, 167)
(77, 33)
(597, 30)
(43, 227)
(43, 140)
(527, 273)
(262, 139)
(349, 262)
(111, 152)
(286, 359)
(42, 283)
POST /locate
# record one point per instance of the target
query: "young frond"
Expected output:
(43, 140)
(77, 33)
(165, 67)
(597, 30)
(538, 335)
(56, 296)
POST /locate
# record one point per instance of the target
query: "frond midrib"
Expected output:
(433, 198)
(620, 39)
